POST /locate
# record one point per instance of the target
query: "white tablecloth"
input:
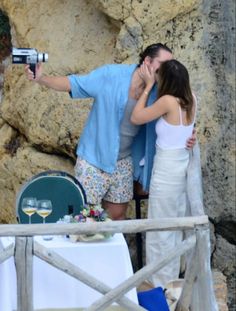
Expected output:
(108, 261)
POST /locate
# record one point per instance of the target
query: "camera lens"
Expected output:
(42, 57)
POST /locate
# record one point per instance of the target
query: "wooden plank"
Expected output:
(24, 271)
(7, 252)
(125, 226)
(189, 279)
(141, 275)
(64, 265)
(29, 273)
(20, 272)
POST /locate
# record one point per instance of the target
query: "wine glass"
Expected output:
(44, 208)
(29, 207)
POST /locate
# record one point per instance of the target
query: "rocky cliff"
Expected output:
(39, 128)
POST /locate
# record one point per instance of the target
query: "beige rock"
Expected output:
(7, 134)
(50, 120)
(154, 14)
(117, 9)
(45, 117)
(2, 122)
(16, 170)
(129, 41)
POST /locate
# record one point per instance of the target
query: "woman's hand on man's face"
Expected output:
(148, 75)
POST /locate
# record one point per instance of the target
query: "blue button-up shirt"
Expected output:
(100, 141)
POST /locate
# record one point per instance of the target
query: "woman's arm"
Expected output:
(142, 114)
(60, 83)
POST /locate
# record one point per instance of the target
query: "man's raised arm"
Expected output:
(60, 83)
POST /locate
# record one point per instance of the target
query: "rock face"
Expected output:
(39, 128)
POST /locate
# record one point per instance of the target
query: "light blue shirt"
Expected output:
(100, 141)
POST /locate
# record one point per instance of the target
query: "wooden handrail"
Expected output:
(124, 226)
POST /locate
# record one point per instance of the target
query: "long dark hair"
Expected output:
(173, 79)
(152, 51)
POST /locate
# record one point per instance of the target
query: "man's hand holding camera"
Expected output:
(34, 76)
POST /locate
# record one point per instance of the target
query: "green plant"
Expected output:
(4, 24)
(5, 36)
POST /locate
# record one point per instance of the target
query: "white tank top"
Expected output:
(171, 136)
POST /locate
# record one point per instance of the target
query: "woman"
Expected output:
(175, 110)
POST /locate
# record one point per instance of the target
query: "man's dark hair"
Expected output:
(152, 51)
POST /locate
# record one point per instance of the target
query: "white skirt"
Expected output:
(167, 198)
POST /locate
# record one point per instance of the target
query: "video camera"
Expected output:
(28, 56)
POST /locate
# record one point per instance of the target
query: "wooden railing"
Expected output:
(25, 248)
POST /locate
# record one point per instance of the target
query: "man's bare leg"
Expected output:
(116, 211)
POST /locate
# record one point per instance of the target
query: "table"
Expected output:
(108, 260)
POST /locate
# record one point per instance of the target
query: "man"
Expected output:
(104, 165)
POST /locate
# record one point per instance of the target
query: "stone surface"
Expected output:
(220, 288)
(224, 260)
(7, 134)
(39, 128)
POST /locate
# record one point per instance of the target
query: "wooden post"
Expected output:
(24, 271)
(189, 279)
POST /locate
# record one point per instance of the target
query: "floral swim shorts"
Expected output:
(98, 185)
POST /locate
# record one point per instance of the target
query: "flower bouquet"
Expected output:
(90, 213)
